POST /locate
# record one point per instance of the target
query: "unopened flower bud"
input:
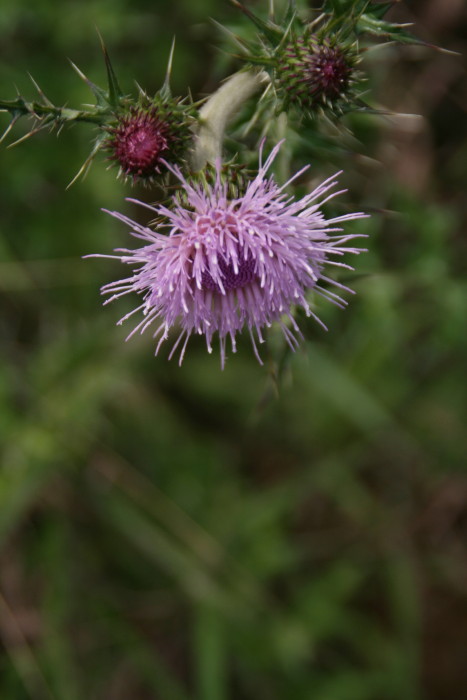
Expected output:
(146, 136)
(313, 74)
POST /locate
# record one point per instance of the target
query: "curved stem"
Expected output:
(218, 110)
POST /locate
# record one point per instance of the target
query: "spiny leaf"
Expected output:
(34, 131)
(290, 12)
(393, 32)
(42, 95)
(272, 33)
(334, 6)
(380, 27)
(243, 44)
(15, 107)
(286, 34)
(115, 93)
(379, 10)
(87, 163)
(341, 8)
(46, 115)
(101, 97)
(9, 128)
(257, 60)
(165, 91)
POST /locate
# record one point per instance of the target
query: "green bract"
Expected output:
(143, 136)
(139, 132)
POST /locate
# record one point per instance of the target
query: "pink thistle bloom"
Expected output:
(139, 141)
(233, 263)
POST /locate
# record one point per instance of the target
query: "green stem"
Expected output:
(217, 112)
(49, 113)
(210, 654)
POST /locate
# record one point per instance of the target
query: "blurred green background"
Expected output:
(175, 534)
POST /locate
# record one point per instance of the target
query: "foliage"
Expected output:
(185, 533)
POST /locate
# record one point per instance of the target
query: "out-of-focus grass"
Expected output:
(185, 533)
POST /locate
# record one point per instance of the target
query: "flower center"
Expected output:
(231, 279)
(329, 71)
(138, 142)
(144, 144)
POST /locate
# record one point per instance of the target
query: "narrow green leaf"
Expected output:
(165, 91)
(209, 653)
(272, 33)
(379, 11)
(42, 95)
(9, 127)
(290, 12)
(101, 97)
(115, 93)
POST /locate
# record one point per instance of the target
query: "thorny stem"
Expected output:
(43, 112)
(217, 111)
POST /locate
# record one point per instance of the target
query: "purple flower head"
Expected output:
(316, 74)
(139, 141)
(233, 263)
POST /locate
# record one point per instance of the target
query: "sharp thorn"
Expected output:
(8, 129)
(41, 93)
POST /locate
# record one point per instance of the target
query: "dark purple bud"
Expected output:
(314, 73)
(139, 142)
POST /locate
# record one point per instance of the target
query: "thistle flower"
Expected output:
(230, 263)
(315, 73)
(149, 134)
(139, 142)
(312, 64)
